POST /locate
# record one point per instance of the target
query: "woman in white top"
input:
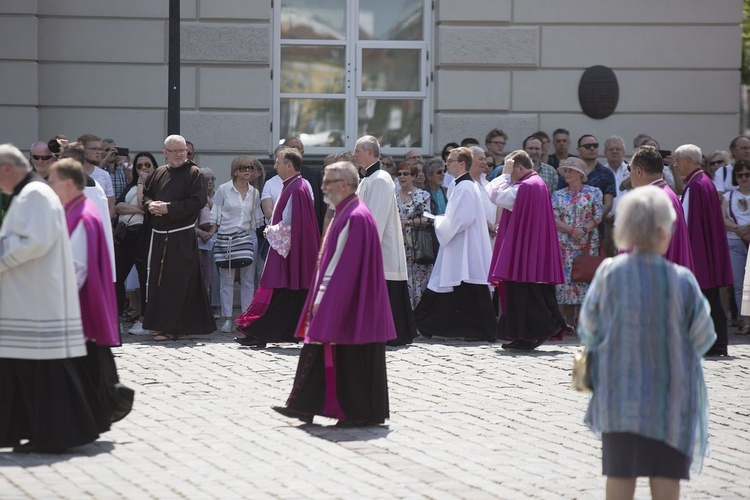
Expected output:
(236, 212)
(735, 206)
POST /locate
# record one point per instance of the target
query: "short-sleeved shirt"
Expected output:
(600, 177)
(103, 178)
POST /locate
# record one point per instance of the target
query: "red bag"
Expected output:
(585, 266)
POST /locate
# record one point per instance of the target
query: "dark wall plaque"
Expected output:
(598, 92)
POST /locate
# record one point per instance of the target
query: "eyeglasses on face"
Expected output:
(403, 173)
(141, 166)
(743, 175)
(742, 148)
(245, 168)
(183, 150)
(716, 162)
(329, 181)
(439, 172)
(42, 157)
(591, 145)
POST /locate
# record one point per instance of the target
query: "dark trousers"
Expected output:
(719, 317)
(130, 252)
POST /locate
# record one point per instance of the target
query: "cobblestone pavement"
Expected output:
(468, 420)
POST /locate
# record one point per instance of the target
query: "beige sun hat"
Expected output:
(571, 163)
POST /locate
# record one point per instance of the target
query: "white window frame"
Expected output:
(353, 86)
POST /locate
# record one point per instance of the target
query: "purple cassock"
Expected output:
(348, 302)
(97, 295)
(527, 249)
(708, 237)
(679, 250)
(295, 271)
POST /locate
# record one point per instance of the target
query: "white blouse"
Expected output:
(232, 213)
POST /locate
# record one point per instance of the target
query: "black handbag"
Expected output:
(120, 231)
(421, 245)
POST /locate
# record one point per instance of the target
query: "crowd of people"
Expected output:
(475, 243)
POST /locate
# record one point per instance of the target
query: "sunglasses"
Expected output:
(716, 162)
(439, 172)
(744, 175)
(403, 173)
(42, 157)
(592, 145)
(245, 168)
(141, 166)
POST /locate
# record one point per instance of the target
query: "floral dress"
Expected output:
(418, 274)
(576, 209)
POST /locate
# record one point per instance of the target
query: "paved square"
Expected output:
(468, 420)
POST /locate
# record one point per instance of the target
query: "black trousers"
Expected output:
(719, 317)
(132, 251)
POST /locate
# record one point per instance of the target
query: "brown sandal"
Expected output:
(164, 337)
(744, 330)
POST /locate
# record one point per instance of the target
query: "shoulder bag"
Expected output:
(236, 249)
(585, 266)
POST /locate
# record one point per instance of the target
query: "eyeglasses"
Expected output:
(743, 175)
(42, 157)
(93, 149)
(403, 173)
(449, 161)
(211, 179)
(716, 162)
(141, 166)
(176, 150)
(439, 172)
(591, 145)
(329, 181)
(245, 168)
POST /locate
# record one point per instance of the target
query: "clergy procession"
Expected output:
(476, 244)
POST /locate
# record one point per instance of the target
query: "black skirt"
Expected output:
(403, 316)
(279, 322)
(532, 312)
(625, 454)
(114, 400)
(465, 312)
(47, 402)
(359, 376)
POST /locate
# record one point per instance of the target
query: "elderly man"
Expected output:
(96, 291)
(378, 192)
(294, 240)
(43, 396)
(598, 176)
(533, 145)
(176, 300)
(41, 158)
(647, 169)
(708, 238)
(526, 261)
(740, 150)
(614, 151)
(457, 302)
(347, 318)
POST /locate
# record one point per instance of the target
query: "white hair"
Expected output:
(640, 215)
(615, 138)
(346, 170)
(174, 138)
(476, 149)
(690, 151)
(370, 143)
(11, 154)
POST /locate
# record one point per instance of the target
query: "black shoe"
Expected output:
(357, 423)
(516, 345)
(715, 352)
(293, 414)
(250, 342)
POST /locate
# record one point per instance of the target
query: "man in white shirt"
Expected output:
(378, 192)
(93, 147)
(740, 150)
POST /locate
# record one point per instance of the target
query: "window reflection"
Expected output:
(318, 122)
(313, 69)
(395, 122)
(313, 19)
(391, 19)
(391, 69)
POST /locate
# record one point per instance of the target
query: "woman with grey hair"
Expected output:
(646, 326)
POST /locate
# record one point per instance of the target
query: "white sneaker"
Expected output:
(139, 330)
(228, 326)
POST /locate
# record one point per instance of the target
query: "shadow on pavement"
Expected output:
(345, 434)
(43, 459)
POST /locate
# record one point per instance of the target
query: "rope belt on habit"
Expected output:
(163, 254)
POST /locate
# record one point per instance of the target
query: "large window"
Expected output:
(346, 68)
